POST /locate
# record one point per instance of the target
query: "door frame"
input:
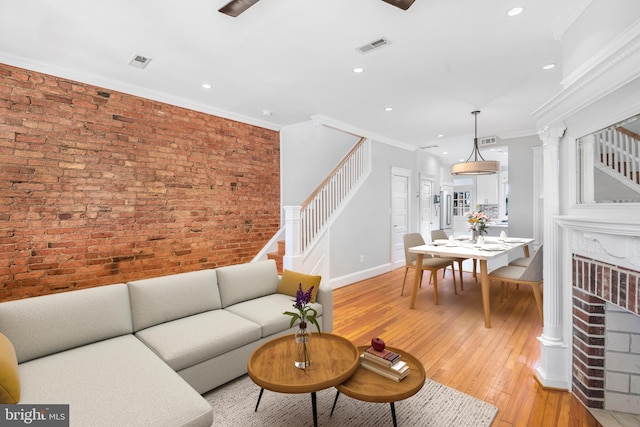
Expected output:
(407, 173)
(429, 203)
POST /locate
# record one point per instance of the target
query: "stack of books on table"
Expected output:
(386, 363)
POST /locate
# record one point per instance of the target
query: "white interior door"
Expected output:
(400, 213)
(426, 207)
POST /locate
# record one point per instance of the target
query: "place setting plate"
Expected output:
(440, 242)
(492, 247)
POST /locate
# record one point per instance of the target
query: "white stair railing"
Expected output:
(620, 153)
(316, 211)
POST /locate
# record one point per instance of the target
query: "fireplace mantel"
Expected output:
(600, 225)
(603, 239)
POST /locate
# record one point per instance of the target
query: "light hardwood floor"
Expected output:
(496, 365)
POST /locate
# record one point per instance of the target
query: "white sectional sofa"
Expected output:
(142, 353)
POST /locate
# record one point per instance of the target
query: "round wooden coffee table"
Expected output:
(333, 360)
(368, 386)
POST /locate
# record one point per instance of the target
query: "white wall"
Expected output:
(600, 23)
(521, 185)
(307, 154)
(363, 228)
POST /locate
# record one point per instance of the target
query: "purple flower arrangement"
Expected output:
(304, 312)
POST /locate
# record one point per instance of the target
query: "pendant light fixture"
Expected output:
(479, 166)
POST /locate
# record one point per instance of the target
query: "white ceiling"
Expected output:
(295, 59)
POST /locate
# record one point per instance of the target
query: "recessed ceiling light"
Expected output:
(388, 108)
(515, 11)
(444, 153)
(441, 135)
(358, 70)
(266, 113)
(549, 66)
(206, 85)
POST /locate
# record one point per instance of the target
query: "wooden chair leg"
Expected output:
(406, 270)
(455, 288)
(538, 296)
(435, 286)
(460, 271)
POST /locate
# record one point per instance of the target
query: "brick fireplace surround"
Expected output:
(596, 283)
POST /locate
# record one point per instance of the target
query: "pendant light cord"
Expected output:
(476, 151)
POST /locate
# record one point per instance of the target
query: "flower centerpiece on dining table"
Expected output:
(478, 223)
(304, 313)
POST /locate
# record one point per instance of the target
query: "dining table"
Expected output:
(490, 248)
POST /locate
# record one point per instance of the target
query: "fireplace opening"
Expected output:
(606, 339)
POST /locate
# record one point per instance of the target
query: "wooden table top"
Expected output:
(333, 360)
(371, 387)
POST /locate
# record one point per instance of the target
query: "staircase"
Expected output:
(306, 225)
(305, 247)
(617, 154)
(278, 256)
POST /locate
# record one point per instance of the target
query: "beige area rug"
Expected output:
(434, 405)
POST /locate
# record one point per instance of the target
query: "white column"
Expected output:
(555, 348)
(292, 238)
(586, 148)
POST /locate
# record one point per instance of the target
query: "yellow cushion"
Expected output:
(9, 379)
(291, 281)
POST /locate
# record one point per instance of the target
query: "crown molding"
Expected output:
(614, 66)
(320, 120)
(132, 90)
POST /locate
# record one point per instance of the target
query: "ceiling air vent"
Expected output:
(139, 61)
(488, 140)
(376, 44)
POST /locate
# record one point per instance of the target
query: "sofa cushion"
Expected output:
(190, 340)
(9, 378)
(48, 324)
(162, 299)
(268, 312)
(243, 282)
(117, 382)
(291, 281)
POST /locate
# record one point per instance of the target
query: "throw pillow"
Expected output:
(9, 379)
(291, 280)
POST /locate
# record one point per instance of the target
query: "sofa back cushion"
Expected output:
(243, 282)
(166, 298)
(49, 324)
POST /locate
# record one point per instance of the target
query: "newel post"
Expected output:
(292, 238)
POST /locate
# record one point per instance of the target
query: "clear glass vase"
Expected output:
(302, 337)
(474, 236)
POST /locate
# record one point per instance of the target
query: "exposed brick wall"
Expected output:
(100, 187)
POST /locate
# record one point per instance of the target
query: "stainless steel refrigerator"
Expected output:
(446, 211)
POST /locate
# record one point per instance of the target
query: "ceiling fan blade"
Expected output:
(236, 7)
(402, 4)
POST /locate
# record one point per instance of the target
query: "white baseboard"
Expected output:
(358, 276)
